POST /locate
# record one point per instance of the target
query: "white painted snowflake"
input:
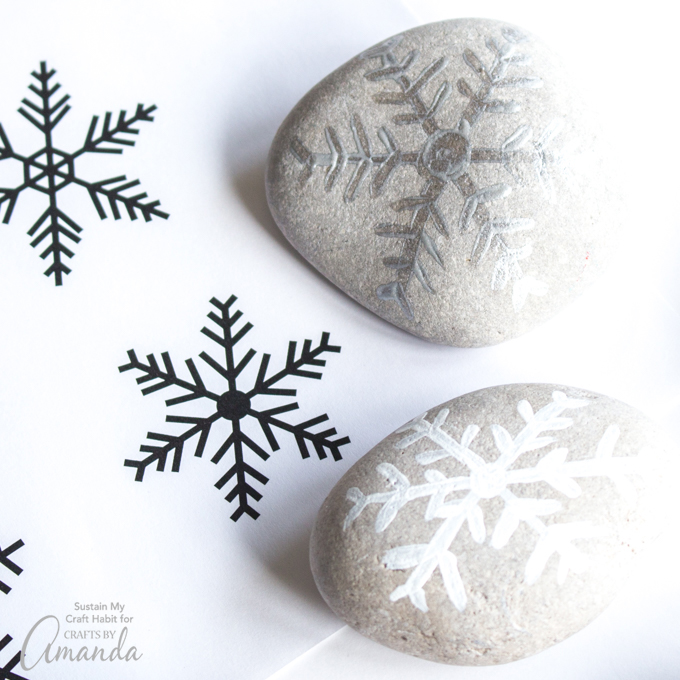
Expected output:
(487, 480)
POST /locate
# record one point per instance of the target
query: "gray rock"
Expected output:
(494, 525)
(449, 180)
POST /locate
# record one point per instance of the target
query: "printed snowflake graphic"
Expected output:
(7, 671)
(8, 564)
(487, 480)
(446, 157)
(234, 406)
(51, 170)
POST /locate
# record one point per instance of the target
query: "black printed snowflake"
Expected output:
(6, 671)
(447, 157)
(50, 170)
(234, 406)
(8, 564)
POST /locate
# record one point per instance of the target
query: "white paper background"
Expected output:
(212, 599)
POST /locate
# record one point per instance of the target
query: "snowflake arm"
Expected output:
(518, 510)
(309, 356)
(8, 564)
(416, 241)
(151, 371)
(438, 488)
(420, 427)
(225, 321)
(8, 196)
(561, 474)
(549, 418)
(392, 69)
(505, 55)
(6, 150)
(428, 557)
(7, 671)
(112, 191)
(414, 236)
(45, 116)
(162, 378)
(365, 159)
(115, 135)
(294, 367)
(242, 490)
(58, 223)
(173, 444)
(321, 441)
(557, 538)
(8, 200)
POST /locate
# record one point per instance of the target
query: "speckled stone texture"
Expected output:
(450, 179)
(494, 525)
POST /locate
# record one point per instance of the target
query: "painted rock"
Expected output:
(492, 526)
(449, 180)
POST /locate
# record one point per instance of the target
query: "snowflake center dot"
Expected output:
(233, 405)
(488, 481)
(446, 155)
(43, 167)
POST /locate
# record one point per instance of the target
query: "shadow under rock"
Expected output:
(290, 566)
(249, 186)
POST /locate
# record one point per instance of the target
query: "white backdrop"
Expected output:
(214, 599)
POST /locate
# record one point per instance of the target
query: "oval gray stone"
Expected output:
(494, 525)
(450, 180)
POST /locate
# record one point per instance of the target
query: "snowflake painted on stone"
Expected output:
(8, 564)
(50, 170)
(7, 671)
(235, 407)
(491, 480)
(447, 156)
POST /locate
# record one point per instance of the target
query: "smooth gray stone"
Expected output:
(450, 180)
(494, 525)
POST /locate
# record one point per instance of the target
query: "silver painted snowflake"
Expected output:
(446, 157)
